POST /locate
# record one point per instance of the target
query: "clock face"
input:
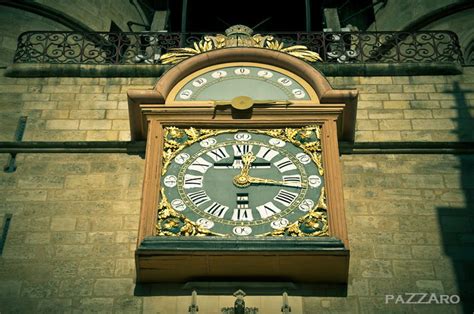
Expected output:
(243, 182)
(256, 81)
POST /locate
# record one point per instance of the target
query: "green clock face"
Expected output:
(242, 182)
(257, 82)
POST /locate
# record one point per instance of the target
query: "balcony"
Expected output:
(357, 50)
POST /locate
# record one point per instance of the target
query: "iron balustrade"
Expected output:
(146, 47)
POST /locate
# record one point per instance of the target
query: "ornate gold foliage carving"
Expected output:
(171, 223)
(237, 36)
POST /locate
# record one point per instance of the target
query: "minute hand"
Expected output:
(274, 182)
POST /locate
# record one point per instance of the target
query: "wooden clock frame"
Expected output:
(183, 259)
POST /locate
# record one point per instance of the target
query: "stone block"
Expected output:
(73, 250)
(395, 125)
(88, 305)
(10, 288)
(396, 104)
(84, 181)
(418, 114)
(122, 97)
(401, 96)
(125, 267)
(98, 104)
(394, 88)
(101, 237)
(63, 223)
(38, 238)
(62, 124)
(391, 251)
(61, 89)
(113, 287)
(117, 114)
(375, 268)
(55, 305)
(95, 125)
(387, 136)
(413, 268)
(376, 80)
(429, 124)
(43, 105)
(92, 89)
(77, 287)
(416, 136)
(106, 223)
(91, 97)
(120, 125)
(41, 182)
(96, 268)
(385, 114)
(431, 286)
(87, 114)
(68, 237)
(54, 114)
(424, 104)
(377, 96)
(419, 88)
(27, 195)
(102, 135)
(367, 125)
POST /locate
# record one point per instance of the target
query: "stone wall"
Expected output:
(70, 247)
(398, 108)
(13, 22)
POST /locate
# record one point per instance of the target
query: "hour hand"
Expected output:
(274, 182)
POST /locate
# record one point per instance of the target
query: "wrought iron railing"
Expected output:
(147, 47)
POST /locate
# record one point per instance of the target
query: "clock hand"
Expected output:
(241, 180)
(245, 102)
(274, 182)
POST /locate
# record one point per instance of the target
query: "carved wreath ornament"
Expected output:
(238, 36)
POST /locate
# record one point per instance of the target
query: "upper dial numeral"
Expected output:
(178, 205)
(298, 93)
(199, 82)
(219, 74)
(181, 158)
(170, 181)
(265, 74)
(242, 71)
(276, 142)
(205, 223)
(185, 94)
(303, 158)
(285, 81)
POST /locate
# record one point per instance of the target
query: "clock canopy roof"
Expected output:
(323, 96)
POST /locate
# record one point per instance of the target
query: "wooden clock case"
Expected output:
(294, 259)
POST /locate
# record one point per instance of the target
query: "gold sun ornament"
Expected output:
(237, 36)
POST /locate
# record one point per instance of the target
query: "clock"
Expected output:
(242, 182)
(230, 80)
(250, 192)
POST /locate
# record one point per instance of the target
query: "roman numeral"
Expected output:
(198, 197)
(217, 210)
(242, 214)
(294, 180)
(200, 165)
(266, 153)
(191, 181)
(218, 154)
(240, 149)
(285, 197)
(285, 165)
(268, 209)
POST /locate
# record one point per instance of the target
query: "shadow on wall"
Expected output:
(457, 223)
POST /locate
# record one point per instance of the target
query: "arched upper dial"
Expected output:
(227, 81)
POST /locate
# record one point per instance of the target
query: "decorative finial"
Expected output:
(239, 30)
